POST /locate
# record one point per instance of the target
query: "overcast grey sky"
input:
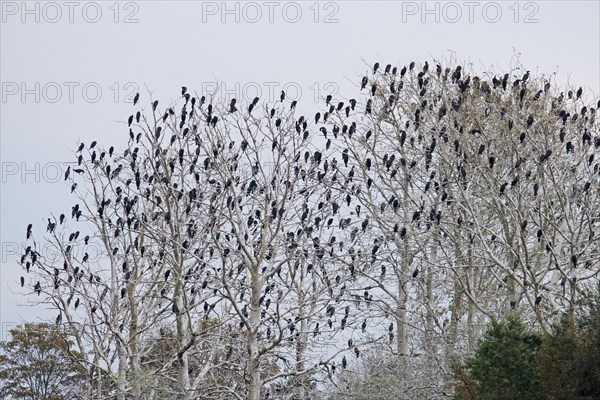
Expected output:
(69, 71)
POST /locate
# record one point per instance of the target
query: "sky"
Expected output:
(69, 71)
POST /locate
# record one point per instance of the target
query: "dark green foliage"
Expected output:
(587, 364)
(569, 360)
(504, 365)
(512, 363)
(556, 359)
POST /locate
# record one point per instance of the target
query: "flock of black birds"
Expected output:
(190, 204)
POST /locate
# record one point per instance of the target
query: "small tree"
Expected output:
(556, 360)
(504, 365)
(37, 363)
(588, 355)
(568, 357)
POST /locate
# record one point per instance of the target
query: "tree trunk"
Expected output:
(253, 370)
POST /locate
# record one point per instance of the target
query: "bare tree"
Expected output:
(274, 249)
(479, 192)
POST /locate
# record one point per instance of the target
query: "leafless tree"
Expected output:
(269, 250)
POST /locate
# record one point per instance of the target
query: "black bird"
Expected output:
(456, 74)
(414, 275)
(136, 98)
(29, 230)
(22, 281)
(364, 82)
(328, 99)
(93, 144)
(416, 215)
(81, 146)
(364, 224)
(67, 172)
(523, 225)
(375, 67)
(167, 274)
(282, 96)
(529, 120)
(232, 107)
(183, 90)
(317, 117)
(293, 105)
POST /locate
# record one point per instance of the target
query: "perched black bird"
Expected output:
(529, 120)
(375, 67)
(364, 82)
(136, 98)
